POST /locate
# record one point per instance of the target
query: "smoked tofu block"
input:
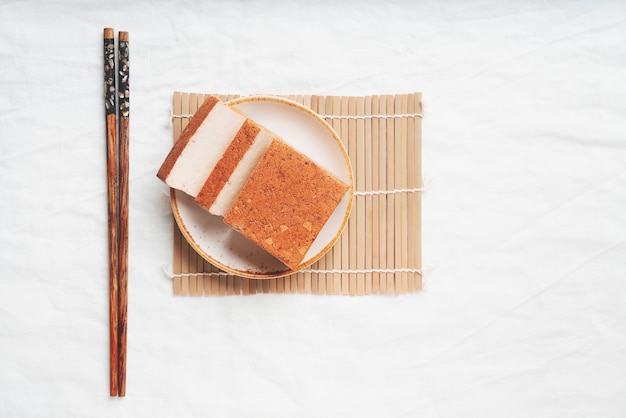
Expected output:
(285, 202)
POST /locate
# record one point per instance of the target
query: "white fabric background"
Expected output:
(524, 311)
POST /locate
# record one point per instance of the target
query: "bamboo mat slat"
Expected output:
(379, 251)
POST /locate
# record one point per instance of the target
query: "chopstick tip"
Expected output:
(123, 36)
(109, 33)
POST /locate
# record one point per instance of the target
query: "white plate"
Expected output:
(227, 249)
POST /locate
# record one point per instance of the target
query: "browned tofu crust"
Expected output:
(226, 165)
(285, 203)
(186, 135)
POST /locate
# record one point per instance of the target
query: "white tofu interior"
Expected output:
(206, 147)
(240, 175)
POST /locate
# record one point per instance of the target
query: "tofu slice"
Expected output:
(200, 146)
(232, 170)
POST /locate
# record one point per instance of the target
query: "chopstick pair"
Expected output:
(117, 110)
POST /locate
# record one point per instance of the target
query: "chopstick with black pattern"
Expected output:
(124, 118)
(110, 106)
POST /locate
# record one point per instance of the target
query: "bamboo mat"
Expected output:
(379, 251)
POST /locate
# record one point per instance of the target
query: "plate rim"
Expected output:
(272, 275)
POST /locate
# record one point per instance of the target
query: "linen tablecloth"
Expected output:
(522, 310)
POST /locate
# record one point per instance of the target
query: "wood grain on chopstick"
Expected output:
(124, 114)
(111, 130)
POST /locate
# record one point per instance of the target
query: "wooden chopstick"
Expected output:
(117, 101)
(112, 191)
(124, 114)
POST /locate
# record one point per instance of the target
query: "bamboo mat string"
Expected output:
(380, 248)
(168, 273)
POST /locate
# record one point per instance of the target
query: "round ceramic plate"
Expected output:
(230, 251)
